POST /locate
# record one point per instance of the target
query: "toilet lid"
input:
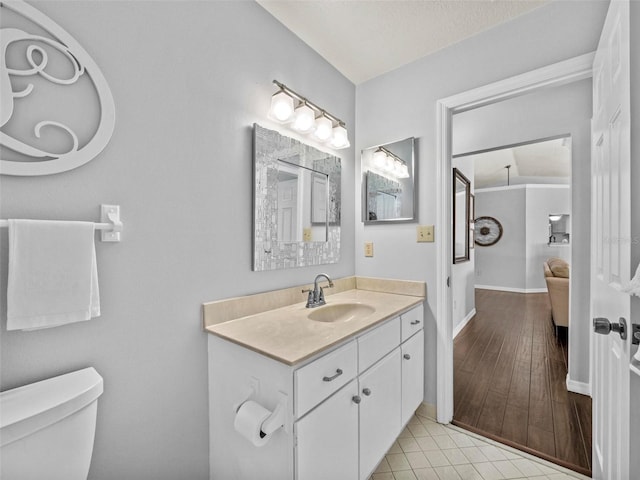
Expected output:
(29, 408)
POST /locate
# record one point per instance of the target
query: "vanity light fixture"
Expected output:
(389, 164)
(281, 107)
(304, 119)
(324, 128)
(307, 118)
(555, 217)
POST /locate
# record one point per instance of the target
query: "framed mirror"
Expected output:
(389, 188)
(296, 208)
(461, 217)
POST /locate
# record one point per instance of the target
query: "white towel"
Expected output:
(53, 277)
(633, 286)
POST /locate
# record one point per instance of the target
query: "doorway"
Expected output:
(511, 358)
(555, 75)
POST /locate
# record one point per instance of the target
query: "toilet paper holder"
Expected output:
(277, 418)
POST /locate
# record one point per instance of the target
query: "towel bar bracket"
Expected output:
(111, 214)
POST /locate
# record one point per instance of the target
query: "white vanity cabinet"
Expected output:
(380, 423)
(344, 407)
(327, 438)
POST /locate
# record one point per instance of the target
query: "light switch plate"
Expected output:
(368, 249)
(425, 233)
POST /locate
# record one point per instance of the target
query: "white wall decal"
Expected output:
(37, 56)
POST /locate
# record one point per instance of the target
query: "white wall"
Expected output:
(402, 103)
(189, 79)
(543, 200)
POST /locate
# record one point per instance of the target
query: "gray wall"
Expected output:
(189, 79)
(550, 112)
(515, 262)
(503, 264)
(402, 103)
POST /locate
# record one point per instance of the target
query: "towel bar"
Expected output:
(111, 228)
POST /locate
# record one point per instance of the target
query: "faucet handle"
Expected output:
(310, 297)
(320, 300)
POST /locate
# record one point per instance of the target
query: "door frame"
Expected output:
(557, 74)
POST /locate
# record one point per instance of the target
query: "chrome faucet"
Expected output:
(316, 296)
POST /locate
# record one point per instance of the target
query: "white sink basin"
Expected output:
(340, 312)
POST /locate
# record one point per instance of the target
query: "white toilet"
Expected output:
(47, 428)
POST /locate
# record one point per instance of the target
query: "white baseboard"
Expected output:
(462, 324)
(578, 387)
(427, 410)
(511, 289)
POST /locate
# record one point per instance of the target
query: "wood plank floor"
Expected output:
(509, 380)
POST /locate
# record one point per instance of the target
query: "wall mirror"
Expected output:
(559, 228)
(461, 218)
(389, 186)
(296, 209)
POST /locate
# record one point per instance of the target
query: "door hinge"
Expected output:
(448, 281)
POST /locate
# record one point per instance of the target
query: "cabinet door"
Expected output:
(327, 438)
(412, 375)
(379, 411)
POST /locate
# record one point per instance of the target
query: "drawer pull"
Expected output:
(356, 399)
(366, 391)
(330, 379)
(407, 356)
(415, 322)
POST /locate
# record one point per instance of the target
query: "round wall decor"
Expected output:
(488, 231)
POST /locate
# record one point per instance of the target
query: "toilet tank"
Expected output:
(47, 428)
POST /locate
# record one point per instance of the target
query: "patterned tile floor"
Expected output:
(427, 450)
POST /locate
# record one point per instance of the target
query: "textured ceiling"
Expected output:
(366, 38)
(542, 162)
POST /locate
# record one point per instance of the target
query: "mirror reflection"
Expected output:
(461, 194)
(559, 228)
(389, 190)
(303, 199)
(296, 203)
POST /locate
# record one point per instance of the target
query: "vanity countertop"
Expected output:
(286, 334)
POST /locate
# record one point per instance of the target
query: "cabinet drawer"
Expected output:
(412, 322)
(319, 379)
(377, 343)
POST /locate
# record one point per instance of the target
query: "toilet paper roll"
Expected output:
(248, 422)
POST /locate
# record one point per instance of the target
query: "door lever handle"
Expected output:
(635, 339)
(603, 326)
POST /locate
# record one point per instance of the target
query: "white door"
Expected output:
(610, 246)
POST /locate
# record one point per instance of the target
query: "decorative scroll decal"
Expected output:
(58, 60)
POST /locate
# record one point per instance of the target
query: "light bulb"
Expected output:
(324, 127)
(390, 164)
(379, 158)
(405, 171)
(304, 119)
(281, 107)
(340, 138)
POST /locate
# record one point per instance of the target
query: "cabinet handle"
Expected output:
(356, 399)
(330, 379)
(407, 356)
(366, 391)
(415, 322)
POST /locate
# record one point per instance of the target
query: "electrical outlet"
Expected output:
(306, 234)
(368, 249)
(425, 233)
